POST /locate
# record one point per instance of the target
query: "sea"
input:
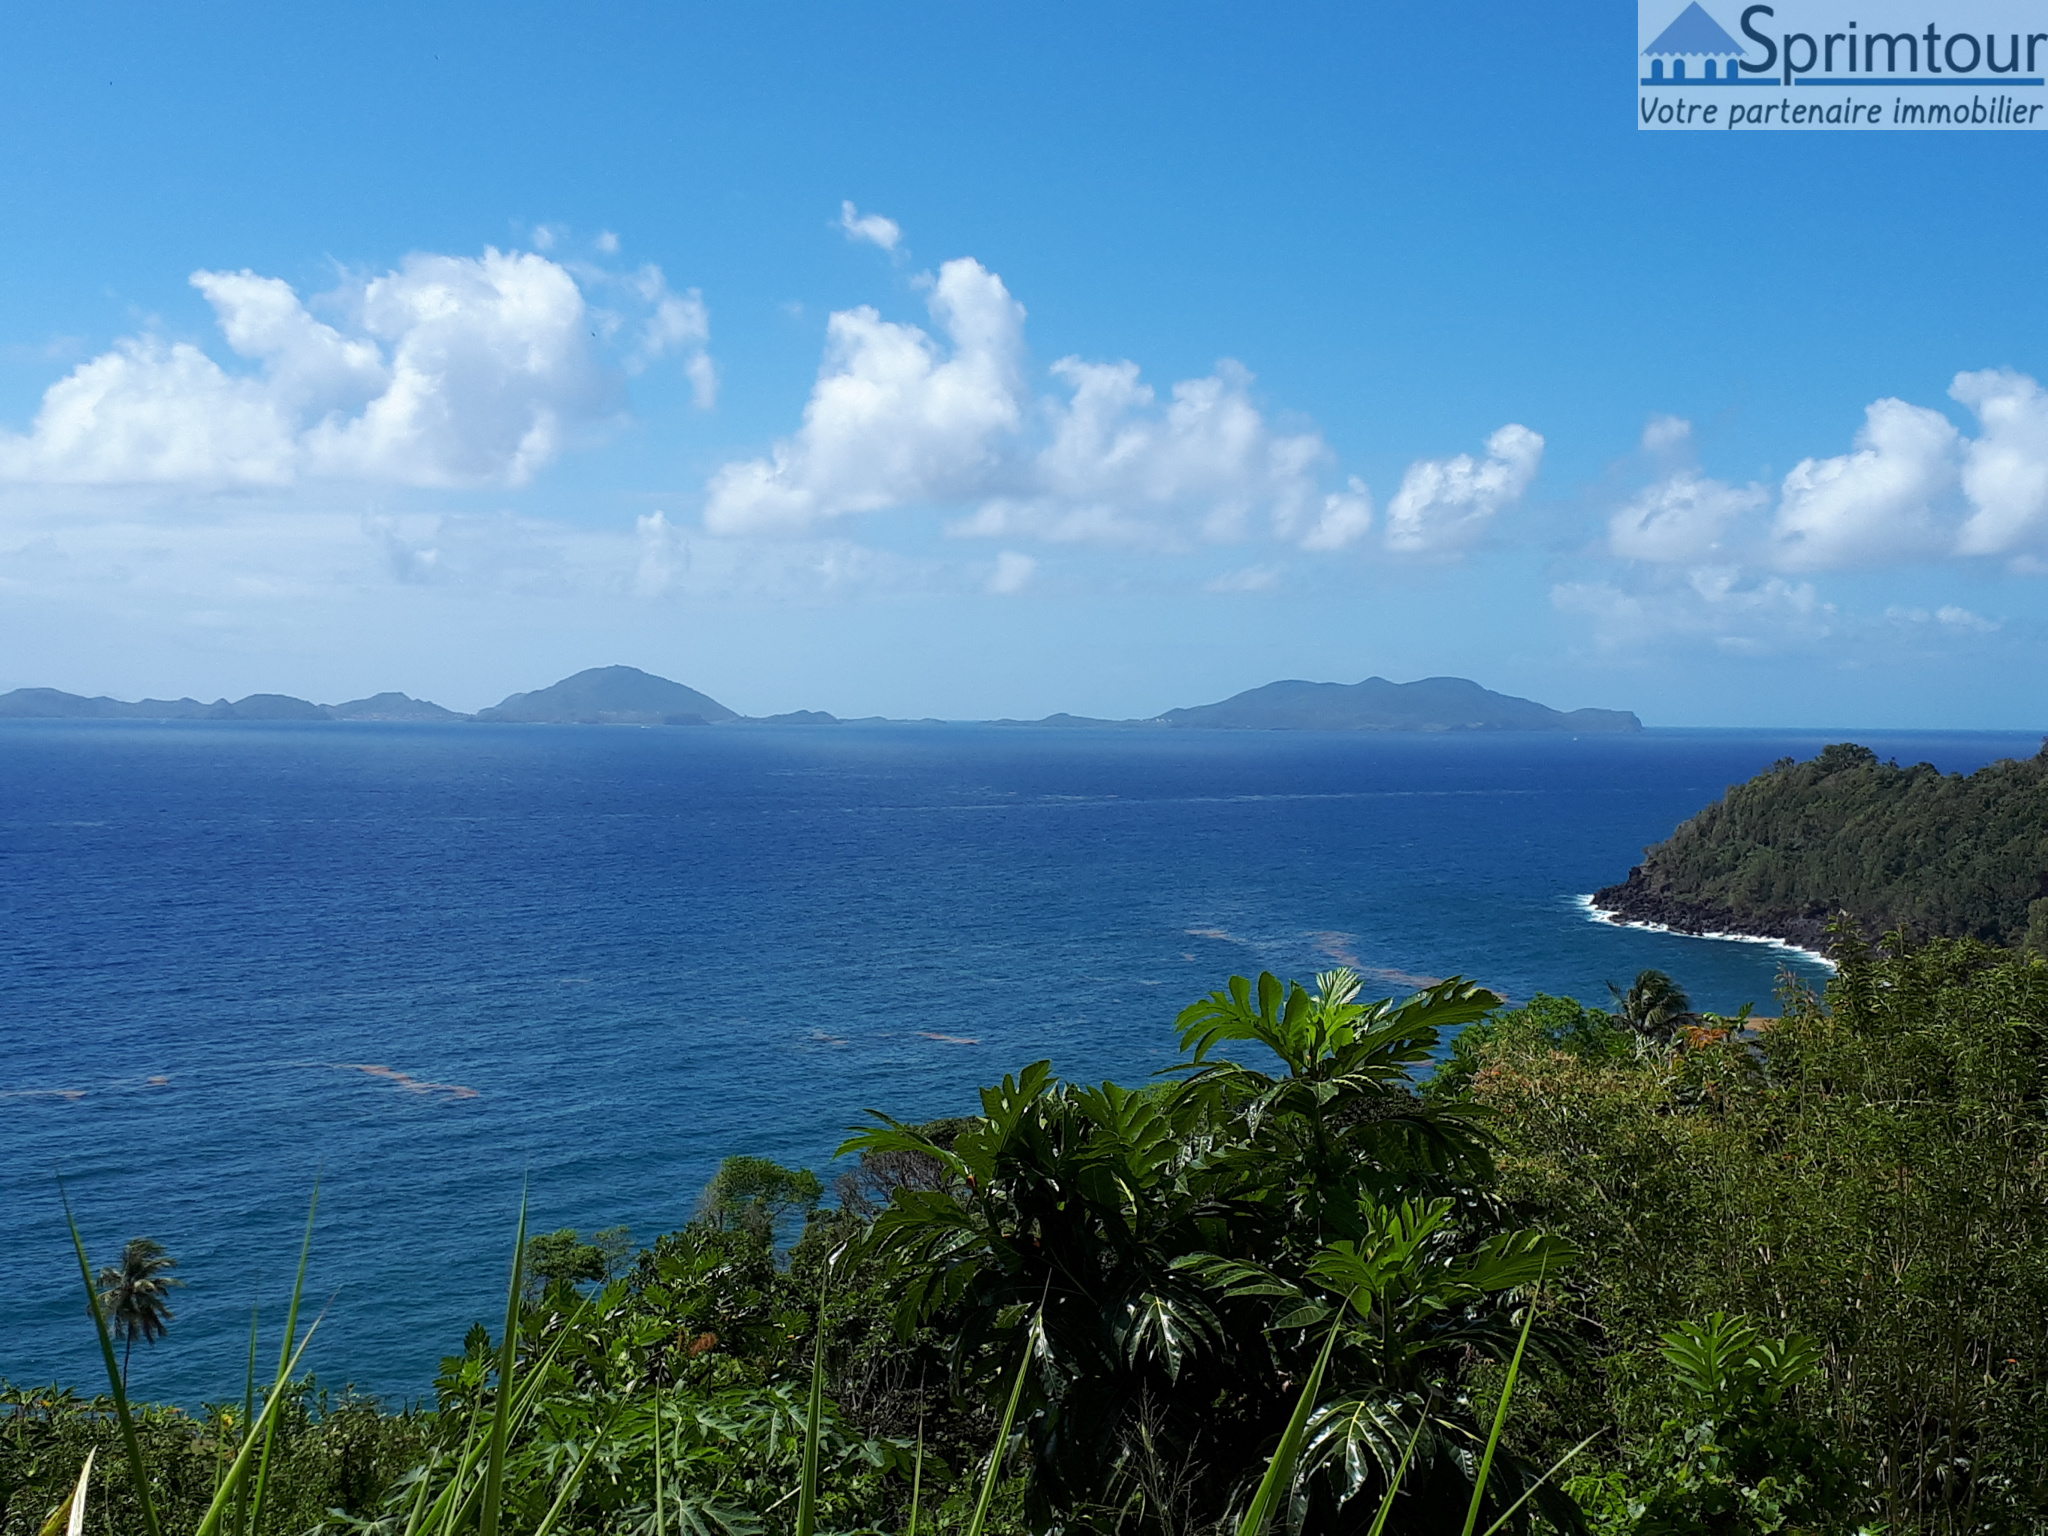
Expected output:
(431, 970)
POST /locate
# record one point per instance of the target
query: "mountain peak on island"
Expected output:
(611, 696)
(1430, 704)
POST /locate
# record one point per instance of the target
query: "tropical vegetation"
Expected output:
(1940, 855)
(135, 1293)
(1414, 1265)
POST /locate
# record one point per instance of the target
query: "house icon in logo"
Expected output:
(1694, 33)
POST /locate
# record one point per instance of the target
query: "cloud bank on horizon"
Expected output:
(453, 372)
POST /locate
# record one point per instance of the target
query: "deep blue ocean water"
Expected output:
(426, 963)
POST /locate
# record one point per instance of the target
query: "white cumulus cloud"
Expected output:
(448, 371)
(1912, 491)
(1914, 488)
(1683, 517)
(1875, 504)
(1120, 467)
(901, 418)
(892, 419)
(1346, 518)
(869, 228)
(156, 412)
(2005, 470)
(1666, 434)
(1446, 505)
(674, 323)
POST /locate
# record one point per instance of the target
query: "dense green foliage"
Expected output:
(1789, 1277)
(1870, 1171)
(1942, 855)
(1183, 1247)
(1735, 1455)
(564, 1255)
(339, 1453)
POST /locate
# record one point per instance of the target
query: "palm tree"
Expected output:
(135, 1294)
(1654, 1007)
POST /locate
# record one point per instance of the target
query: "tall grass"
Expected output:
(471, 1498)
(461, 1492)
(258, 1433)
(814, 1413)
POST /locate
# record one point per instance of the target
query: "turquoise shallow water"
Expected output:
(425, 963)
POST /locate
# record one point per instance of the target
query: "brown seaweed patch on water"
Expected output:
(926, 1034)
(1401, 978)
(404, 1080)
(1338, 947)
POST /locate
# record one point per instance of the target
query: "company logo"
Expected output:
(1799, 64)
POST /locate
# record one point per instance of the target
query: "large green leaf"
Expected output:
(1166, 1328)
(1359, 1440)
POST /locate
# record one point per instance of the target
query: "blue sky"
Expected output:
(999, 359)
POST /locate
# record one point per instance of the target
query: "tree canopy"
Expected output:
(1940, 855)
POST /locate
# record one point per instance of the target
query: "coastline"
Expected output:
(1595, 912)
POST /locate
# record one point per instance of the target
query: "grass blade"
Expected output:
(248, 1419)
(1280, 1470)
(1530, 1492)
(660, 1518)
(501, 1420)
(995, 1460)
(68, 1518)
(807, 1483)
(443, 1512)
(238, 1473)
(569, 1484)
(138, 1470)
(1379, 1521)
(1500, 1413)
(450, 1509)
(284, 1354)
(916, 1478)
(419, 1498)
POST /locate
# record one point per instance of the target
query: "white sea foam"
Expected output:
(1603, 915)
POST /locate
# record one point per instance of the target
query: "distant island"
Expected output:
(612, 696)
(1942, 855)
(53, 704)
(1433, 704)
(629, 696)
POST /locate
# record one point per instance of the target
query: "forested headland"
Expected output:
(1632, 1273)
(1940, 855)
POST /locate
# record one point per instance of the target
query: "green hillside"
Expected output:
(1945, 855)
